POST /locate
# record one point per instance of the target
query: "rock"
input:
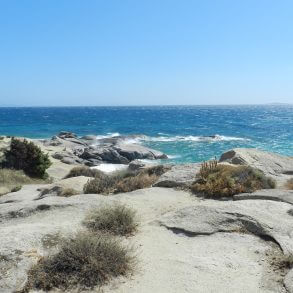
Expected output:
(274, 165)
(139, 165)
(76, 183)
(66, 134)
(259, 217)
(267, 194)
(179, 176)
(288, 281)
(89, 137)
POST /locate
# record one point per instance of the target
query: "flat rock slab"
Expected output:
(259, 217)
(179, 176)
(268, 194)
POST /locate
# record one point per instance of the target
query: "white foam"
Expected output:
(109, 168)
(108, 135)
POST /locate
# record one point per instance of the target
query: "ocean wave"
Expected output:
(211, 138)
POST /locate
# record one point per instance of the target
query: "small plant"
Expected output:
(104, 185)
(84, 261)
(289, 184)
(16, 188)
(117, 220)
(67, 192)
(26, 156)
(207, 168)
(219, 180)
(85, 171)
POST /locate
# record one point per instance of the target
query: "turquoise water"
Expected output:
(180, 131)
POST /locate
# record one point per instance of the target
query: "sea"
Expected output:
(185, 133)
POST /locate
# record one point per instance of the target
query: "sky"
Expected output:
(145, 52)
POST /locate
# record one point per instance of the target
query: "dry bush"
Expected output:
(67, 192)
(84, 261)
(227, 180)
(104, 185)
(85, 171)
(140, 181)
(289, 184)
(116, 220)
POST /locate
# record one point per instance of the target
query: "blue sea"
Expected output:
(182, 132)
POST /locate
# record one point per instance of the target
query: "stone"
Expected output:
(267, 194)
(179, 176)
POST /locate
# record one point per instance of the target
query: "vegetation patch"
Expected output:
(12, 180)
(85, 171)
(219, 180)
(67, 192)
(289, 184)
(26, 156)
(84, 261)
(125, 181)
(117, 220)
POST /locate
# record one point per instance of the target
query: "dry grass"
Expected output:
(125, 181)
(11, 180)
(85, 171)
(84, 261)
(140, 181)
(117, 220)
(67, 192)
(289, 184)
(216, 180)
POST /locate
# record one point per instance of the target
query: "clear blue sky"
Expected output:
(145, 52)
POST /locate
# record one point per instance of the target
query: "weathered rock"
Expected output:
(259, 217)
(268, 194)
(179, 176)
(277, 166)
(288, 281)
(67, 134)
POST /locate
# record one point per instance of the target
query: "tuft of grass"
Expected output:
(117, 220)
(16, 188)
(289, 184)
(216, 180)
(84, 261)
(142, 180)
(67, 192)
(104, 185)
(85, 171)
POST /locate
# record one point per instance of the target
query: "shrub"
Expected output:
(140, 181)
(104, 185)
(16, 188)
(85, 171)
(26, 156)
(116, 220)
(227, 180)
(289, 184)
(67, 192)
(84, 261)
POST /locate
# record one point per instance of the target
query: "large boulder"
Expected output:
(277, 166)
(179, 176)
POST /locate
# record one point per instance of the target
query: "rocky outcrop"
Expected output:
(91, 151)
(274, 165)
(179, 176)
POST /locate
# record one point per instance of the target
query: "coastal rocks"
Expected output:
(91, 151)
(259, 217)
(268, 194)
(179, 176)
(274, 165)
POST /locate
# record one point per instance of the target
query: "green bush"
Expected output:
(26, 156)
(116, 220)
(226, 180)
(84, 261)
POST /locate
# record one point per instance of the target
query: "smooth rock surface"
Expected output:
(179, 176)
